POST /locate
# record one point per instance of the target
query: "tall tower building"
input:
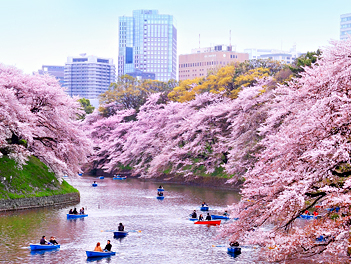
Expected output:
(148, 43)
(88, 76)
(345, 26)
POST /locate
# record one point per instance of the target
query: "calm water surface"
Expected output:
(167, 236)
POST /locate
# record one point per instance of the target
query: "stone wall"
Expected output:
(34, 202)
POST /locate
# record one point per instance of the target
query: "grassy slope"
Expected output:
(33, 180)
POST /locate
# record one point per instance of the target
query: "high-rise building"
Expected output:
(200, 61)
(148, 43)
(56, 71)
(88, 76)
(345, 26)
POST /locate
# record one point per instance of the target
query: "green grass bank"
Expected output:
(33, 180)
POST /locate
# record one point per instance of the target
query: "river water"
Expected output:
(167, 235)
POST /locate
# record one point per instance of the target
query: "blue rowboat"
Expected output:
(80, 174)
(305, 216)
(43, 247)
(120, 178)
(73, 216)
(94, 185)
(160, 197)
(119, 234)
(193, 219)
(96, 254)
(101, 177)
(234, 250)
(226, 217)
(160, 189)
(204, 208)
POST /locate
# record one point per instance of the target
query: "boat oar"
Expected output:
(218, 246)
(138, 231)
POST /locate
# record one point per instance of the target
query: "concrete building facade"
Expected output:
(345, 26)
(57, 71)
(148, 43)
(201, 61)
(88, 76)
(287, 57)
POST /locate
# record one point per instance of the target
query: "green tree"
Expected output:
(88, 108)
(305, 60)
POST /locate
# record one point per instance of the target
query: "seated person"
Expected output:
(208, 217)
(204, 204)
(120, 227)
(234, 244)
(225, 213)
(160, 193)
(160, 187)
(108, 246)
(43, 241)
(307, 212)
(201, 218)
(81, 211)
(98, 247)
(194, 215)
(53, 241)
(70, 211)
(75, 211)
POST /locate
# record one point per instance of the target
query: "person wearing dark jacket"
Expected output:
(194, 215)
(70, 211)
(201, 218)
(43, 241)
(121, 227)
(75, 211)
(53, 241)
(208, 217)
(108, 246)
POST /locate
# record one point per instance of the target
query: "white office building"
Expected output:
(88, 76)
(287, 57)
(345, 26)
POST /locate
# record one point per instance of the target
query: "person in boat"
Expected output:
(234, 244)
(108, 246)
(43, 241)
(70, 211)
(315, 213)
(81, 211)
(160, 193)
(201, 218)
(307, 212)
(120, 227)
(94, 182)
(208, 217)
(194, 215)
(160, 187)
(75, 211)
(204, 204)
(225, 213)
(98, 247)
(53, 241)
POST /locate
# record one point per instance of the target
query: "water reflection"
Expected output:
(167, 235)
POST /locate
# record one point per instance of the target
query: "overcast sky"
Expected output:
(44, 32)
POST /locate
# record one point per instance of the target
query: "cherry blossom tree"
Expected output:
(38, 118)
(304, 165)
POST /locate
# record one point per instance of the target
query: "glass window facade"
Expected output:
(148, 43)
(88, 77)
(345, 26)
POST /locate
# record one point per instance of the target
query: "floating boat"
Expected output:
(43, 247)
(119, 234)
(96, 254)
(211, 222)
(234, 250)
(80, 174)
(94, 185)
(226, 217)
(101, 177)
(160, 189)
(160, 197)
(204, 208)
(73, 216)
(119, 178)
(305, 216)
(193, 219)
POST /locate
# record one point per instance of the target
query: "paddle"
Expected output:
(138, 231)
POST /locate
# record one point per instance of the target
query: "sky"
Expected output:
(45, 32)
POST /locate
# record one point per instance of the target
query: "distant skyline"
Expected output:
(45, 32)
